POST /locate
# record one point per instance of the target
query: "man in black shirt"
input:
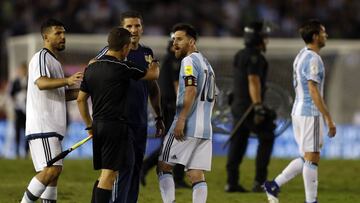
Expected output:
(250, 71)
(140, 92)
(106, 81)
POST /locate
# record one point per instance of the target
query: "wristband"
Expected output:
(88, 128)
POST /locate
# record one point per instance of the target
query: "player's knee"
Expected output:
(108, 176)
(313, 157)
(195, 176)
(164, 167)
(50, 174)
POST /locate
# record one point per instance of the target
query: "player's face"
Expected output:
(322, 37)
(55, 36)
(181, 44)
(135, 28)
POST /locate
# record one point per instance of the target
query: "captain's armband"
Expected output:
(190, 81)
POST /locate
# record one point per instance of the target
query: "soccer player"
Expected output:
(168, 81)
(308, 112)
(46, 112)
(126, 188)
(250, 75)
(107, 81)
(188, 141)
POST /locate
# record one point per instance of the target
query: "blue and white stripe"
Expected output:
(198, 122)
(307, 66)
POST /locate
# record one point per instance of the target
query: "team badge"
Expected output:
(188, 70)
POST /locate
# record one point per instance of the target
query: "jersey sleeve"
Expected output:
(312, 70)
(83, 86)
(188, 72)
(39, 66)
(254, 64)
(136, 72)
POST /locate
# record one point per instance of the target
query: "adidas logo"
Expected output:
(174, 157)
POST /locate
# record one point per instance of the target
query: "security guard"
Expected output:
(250, 71)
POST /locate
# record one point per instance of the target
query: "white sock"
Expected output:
(33, 191)
(50, 193)
(310, 176)
(167, 187)
(294, 168)
(199, 194)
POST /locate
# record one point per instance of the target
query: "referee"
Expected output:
(126, 188)
(106, 81)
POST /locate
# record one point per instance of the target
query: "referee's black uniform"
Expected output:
(249, 61)
(107, 81)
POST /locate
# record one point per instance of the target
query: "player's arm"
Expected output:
(46, 83)
(153, 71)
(155, 98)
(320, 104)
(189, 98)
(71, 94)
(84, 108)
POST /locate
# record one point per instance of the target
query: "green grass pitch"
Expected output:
(339, 182)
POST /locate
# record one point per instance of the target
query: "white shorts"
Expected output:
(308, 132)
(44, 149)
(193, 153)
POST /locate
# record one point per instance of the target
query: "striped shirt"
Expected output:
(198, 123)
(307, 66)
(45, 109)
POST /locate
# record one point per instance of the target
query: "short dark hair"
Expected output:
(187, 28)
(49, 23)
(117, 38)
(130, 14)
(308, 29)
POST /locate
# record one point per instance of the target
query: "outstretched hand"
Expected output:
(74, 79)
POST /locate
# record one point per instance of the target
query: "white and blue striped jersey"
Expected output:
(308, 65)
(198, 123)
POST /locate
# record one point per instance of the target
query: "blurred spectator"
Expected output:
(213, 18)
(18, 95)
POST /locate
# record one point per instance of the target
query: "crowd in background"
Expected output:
(211, 17)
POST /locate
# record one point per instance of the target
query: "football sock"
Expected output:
(199, 194)
(49, 195)
(293, 169)
(310, 176)
(167, 187)
(102, 195)
(33, 191)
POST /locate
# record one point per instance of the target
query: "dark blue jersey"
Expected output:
(138, 95)
(137, 99)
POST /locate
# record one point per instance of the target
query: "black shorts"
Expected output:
(110, 143)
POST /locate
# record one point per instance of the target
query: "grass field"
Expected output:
(339, 182)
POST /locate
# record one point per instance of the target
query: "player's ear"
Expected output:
(192, 41)
(315, 37)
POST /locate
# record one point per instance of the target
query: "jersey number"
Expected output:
(208, 89)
